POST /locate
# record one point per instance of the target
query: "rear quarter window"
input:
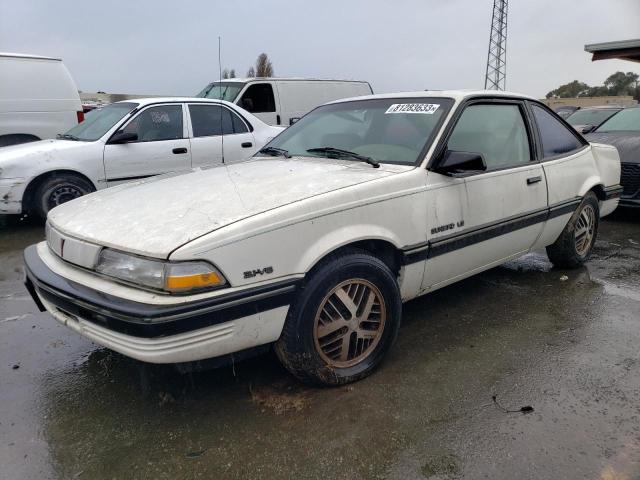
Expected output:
(556, 138)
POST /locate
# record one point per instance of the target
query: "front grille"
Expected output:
(630, 179)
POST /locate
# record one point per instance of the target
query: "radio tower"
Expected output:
(495, 78)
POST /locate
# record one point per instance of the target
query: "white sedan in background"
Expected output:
(127, 141)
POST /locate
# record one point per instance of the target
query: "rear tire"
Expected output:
(57, 190)
(343, 322)
(573, 246)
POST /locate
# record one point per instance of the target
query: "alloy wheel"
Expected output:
(584, 230)
(349, 323)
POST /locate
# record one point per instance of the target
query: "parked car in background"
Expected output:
(282, 101)
(315, 243)
(38, 98)
(566, 110)
(622, 131)
(587, 120)
(126, 141)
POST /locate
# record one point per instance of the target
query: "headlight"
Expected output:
(177, 277)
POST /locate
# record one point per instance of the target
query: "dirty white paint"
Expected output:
(155, 217)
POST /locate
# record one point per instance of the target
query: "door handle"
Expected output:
(532, 180)
(246, 145)
(180, 150)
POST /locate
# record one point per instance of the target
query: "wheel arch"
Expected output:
(35, 182)
(384, 247)
(21, 137)
(593, 184)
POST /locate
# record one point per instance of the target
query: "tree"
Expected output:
(569, 90)
(251, 72)
(225, 73)
(264, 68)
(599, 91)
(621, 83)
(232, 73)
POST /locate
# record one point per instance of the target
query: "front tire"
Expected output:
(573, 246)
(57, 190)
(344, 321)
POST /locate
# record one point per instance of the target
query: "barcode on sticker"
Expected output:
(423, 108)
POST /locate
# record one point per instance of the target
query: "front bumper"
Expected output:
(630, 201)
(11, 193)
(175, 333)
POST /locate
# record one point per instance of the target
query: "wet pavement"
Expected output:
(568, 347)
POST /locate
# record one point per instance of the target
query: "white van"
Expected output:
(282, 101)
(38, 98)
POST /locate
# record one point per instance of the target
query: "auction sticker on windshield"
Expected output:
(423, 108)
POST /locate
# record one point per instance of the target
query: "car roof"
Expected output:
(149, 100)
(283, 79)
(457, 95)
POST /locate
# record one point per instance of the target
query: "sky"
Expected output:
(171, 48)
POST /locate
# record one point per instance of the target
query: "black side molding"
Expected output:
(456, 241)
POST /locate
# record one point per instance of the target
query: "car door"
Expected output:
(162, 145)
(568, 162)
(485, 217)
(215, 130)
(261, 99)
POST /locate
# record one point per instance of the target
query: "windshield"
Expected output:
(627, 120)
(590, 116)
(98, 122)
(221, 91)
(394, 130)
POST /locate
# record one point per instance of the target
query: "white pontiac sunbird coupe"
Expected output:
(126, 141)
(313, 244)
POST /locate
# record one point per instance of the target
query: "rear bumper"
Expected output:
(175, 333)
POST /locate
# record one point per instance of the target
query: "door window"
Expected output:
(259, 99)
(498, 132)
(211, 120)
(556, 138)
(154, 124)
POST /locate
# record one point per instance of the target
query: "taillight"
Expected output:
(80, 115)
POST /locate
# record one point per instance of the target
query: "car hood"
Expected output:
(627, 143)
(15, 160)
(156, 216)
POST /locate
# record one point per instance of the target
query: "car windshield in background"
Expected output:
(394, 130)
(593, 116)
(99, 122)
(627, 120)
(221, 91)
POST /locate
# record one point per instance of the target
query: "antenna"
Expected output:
(496, 76)
(220, 80)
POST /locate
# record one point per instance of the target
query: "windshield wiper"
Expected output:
(276, 151)
(68, 136)
(339, 152)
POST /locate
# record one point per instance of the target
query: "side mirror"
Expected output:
(588, 129)
(293, 120)
(123, 137)
(455, 163)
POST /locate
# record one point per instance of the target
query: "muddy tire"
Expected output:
(343, 321)
(574, 245)
(57, 190)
